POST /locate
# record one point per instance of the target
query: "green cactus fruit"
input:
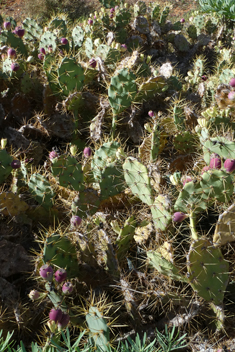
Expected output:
(68, 171)
(207, 271)
(11, 204)
(70, 75)
(61, 252)
(225, 227)
(98, 329)
(5, 165)
(122, 90)
(136, 176)
(41, 189)
(164, 266)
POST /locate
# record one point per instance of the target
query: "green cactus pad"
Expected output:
(225, 227)
(70, 75)
(61, 252)
(48, 39)
(122, 90)
(136, 176)
(207, 271)
(149, 89)
(5, 165)
(11, 204)
(125, 237)
(218, 145)
(78, 36)
(112, 182)
(32, 29)
(41, 189)
(98, 328)
(161, 212)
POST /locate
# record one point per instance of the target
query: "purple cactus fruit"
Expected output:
(87, 152)
(204, 78)
(55, 315)
(90, 22)
(60, 275)
(46, 272)
(15, 66)
(111, 15)
(182, 20)
(123, 48)
(53, 155)
(186, 179)
(75, 221)
(40, 56)
(215, 163)
(229, 165)
(232, 82)
(151, 113)
(95, 17)
(7, 25)
(11, 53)
(42, 51)
(34, 294)
(15, 164)
(231, 95)
(92, 63)
(205, 169)
(67, 288)
(64, 320)
(19, 32)
(112, 10)
(64, 41)
(179, 216)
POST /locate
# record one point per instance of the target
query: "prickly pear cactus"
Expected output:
(98, 328)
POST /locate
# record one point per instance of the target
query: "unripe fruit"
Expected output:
(15, 67)
(7, 25)
(232, 82)
(64, 41)
(75, 221)
(63, 322)
(60, 275)
(87, 152)
(34, 294)
(11, 53)
(46, 272)
(179, 216)
(15, 164)
(92, 63)
(56, 315)
(215, 163)
(229, 165)
(67, 288)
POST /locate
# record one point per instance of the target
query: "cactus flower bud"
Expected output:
(60, 275)
(75, 221)
(229, 165)
(15, 67)
(15, 164)
(67, 288)
(232, 82)
(215, 163)
(34, 295)
(46, 272)
(63, 322)
(55, 315)
(64, 41)
(11, 53)
(7, 25)
(179, 216)
(87, 152)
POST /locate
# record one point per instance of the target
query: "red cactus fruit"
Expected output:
(46, 272)
(215, 163)
(87, 152)
(16, 164)
(60, 275)
(232, 82)
(67, 288)
(64, 41)
(92, 63)
(229, 165)
(56, 315)
(179, 216)
(11, 53)
(75, 221)
(63, 322)
(15, 66)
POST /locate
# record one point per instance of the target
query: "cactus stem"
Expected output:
(192, 217)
